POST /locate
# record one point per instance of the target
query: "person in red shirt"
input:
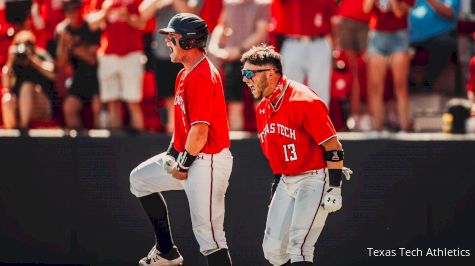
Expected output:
(120, 66)
(388, 46)
(304, 153)
(307, 48)
(198, 159)
(52, 14)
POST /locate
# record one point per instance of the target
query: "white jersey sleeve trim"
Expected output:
(205, 122)
(327, 139)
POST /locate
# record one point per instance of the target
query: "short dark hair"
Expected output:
(262, 55)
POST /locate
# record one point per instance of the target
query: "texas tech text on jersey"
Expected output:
(281, 130)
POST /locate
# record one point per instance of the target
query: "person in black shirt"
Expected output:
(28, 77)
(77, 45)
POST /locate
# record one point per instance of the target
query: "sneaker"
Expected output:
(155, 258)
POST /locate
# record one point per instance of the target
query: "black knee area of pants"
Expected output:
(156, 209)
(219, 258)
(301, 263)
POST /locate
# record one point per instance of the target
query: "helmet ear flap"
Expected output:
(187, 44)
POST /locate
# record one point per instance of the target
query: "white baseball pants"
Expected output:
(205, 189)
(295, 218)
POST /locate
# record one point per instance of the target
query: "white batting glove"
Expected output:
(347, 172)
(332, 200)
(168, 163)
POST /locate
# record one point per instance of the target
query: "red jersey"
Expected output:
(291, 134)
(210, 12)
(353, 9)
(52, 13)
(119, 37)
(303, 17)
(199, 98)
(471, 80)
(383, 18)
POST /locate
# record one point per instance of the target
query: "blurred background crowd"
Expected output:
(380, 65)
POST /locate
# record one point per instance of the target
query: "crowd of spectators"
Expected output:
(64, 58)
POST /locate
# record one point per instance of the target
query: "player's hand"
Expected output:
(168, 163)
(178, 174)
(332, 200)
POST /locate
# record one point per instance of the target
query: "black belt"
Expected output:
(305, 38)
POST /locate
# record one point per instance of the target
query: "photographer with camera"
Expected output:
(28, 77)
(77, 45)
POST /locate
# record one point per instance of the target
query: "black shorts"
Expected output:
(46, 85)
(165, 75)
(233, 85)
(85, 89)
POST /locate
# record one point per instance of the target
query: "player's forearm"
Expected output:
(333, 144)
(197, 138)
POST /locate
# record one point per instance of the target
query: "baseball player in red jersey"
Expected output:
(198, 160)
(300, 142)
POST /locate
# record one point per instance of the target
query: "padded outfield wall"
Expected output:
(67, 201)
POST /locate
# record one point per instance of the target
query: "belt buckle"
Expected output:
(306, 39)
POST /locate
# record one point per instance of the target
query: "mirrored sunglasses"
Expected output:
(251, 73)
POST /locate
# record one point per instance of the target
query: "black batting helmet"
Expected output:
(193, 29)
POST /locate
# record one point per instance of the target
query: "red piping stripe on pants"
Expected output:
(211, 204)
(319, 204)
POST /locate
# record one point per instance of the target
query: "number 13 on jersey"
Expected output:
(289, 152)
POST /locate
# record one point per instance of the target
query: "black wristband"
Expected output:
(334, 175)
(334, 156)
(171, 151)
(184, 161)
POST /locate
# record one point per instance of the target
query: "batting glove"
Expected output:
(347, 172)
(168, 163)
(332, 200)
